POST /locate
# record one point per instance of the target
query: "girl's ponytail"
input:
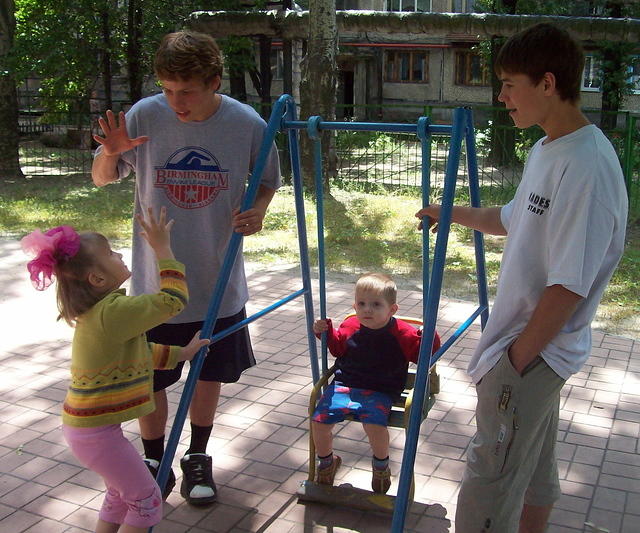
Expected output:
(57, 245)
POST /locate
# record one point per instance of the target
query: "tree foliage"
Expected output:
(64, 42)
(9, 129)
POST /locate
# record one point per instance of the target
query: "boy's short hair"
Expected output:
(380, 283)
(544, 48)
(186, 55)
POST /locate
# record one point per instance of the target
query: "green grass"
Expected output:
(43, 202)
(363, 231)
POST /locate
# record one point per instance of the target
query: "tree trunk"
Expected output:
(134, 47)
(237, 85)
(9, 130)
(503, 135)
(106, 59)
(265, 76)
(318, 85)
(613, 85)
(613, 75)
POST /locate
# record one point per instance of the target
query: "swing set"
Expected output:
(422, 385)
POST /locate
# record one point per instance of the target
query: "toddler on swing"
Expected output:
(372, 351)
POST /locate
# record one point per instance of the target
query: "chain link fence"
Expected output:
(59, 142)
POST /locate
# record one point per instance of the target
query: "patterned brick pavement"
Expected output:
(259, 443)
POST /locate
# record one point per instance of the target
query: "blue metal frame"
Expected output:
(283, 118)
(284, 108)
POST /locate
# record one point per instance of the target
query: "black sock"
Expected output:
(324, 462)
(153, 449)
(199, 438)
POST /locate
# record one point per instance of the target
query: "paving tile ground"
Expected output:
(260, 438)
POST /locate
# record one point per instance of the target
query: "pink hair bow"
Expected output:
(57, 244)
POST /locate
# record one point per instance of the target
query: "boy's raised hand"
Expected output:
(189, 351)
(157, 232)
(116, 139)
(432, 212)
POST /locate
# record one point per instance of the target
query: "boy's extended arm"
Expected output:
(116, 141)
(103, 169)
(556, 305)
(484, 219)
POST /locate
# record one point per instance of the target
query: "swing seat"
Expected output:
(347, 495)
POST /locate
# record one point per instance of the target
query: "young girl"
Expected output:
(111, 362)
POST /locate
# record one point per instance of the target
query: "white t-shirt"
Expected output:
(565, 226)
(198, 171)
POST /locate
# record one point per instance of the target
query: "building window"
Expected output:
(419, 6)
(591, 73)
(634, 75)
(471, 69)
(346, 5)
(410, 66)
(277, 64)
(462, 6)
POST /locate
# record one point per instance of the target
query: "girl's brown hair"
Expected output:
(74, 293)
(186, 55)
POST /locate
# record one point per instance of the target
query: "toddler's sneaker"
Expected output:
(327, 474)
(197, 486)
(153, 467)
(381, 480)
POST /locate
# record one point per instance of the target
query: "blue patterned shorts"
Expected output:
(339, 402)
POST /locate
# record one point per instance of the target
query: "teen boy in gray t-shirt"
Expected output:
(191, 150)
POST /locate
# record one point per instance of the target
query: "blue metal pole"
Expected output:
(294, 149)
(313, 131)
(421, 389)
(474, 195)
(367, 126)
(424, 134)
(216, 298)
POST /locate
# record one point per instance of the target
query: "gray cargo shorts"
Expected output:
(511, 460)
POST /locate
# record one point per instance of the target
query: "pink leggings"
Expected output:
(133, 496)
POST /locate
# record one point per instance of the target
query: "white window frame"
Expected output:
(404, 4)
(634, 79)
(467, 6)
(591, 74)
(277, 64)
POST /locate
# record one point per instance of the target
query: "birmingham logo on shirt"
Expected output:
(192, 177)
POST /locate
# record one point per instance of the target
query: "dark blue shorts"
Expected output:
(339, 402)
(225, 360)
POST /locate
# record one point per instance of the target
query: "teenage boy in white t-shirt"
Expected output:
(565, 231)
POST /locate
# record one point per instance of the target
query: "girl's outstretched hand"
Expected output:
(157, 232)
(189, 351)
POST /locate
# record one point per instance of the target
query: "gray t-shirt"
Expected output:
(198, 171)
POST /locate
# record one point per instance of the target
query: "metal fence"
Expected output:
(374, 160)
(60, 143)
